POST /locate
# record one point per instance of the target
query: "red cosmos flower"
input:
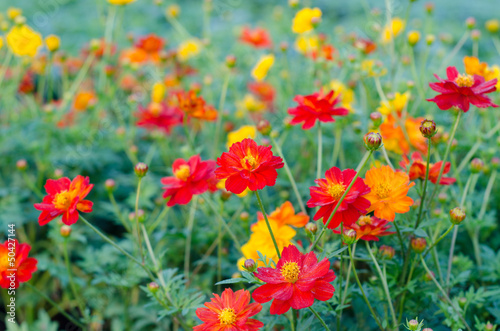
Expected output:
(190, 177)
(418, 168)
(160, 116)
(258, 37)
(365, 45)
(314, 107)
(195, 106)
(369, 228)
(329, 192)
(462, 90)
(297, 280)
(229, 312)
(20, 264)
(248, 165)
(264, 91)
(65, 197)
(150, 43)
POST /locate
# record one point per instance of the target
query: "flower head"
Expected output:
(393, 30)
(158, 116)
(296, 281)
(248, 165)
(188, 49)
(462, 90)
(246, 131)
(369, 228)
(151, 43)
(285, 215)
(120, 2)
(418, 168)
(328, 193)
(65, 197)
(258, 37)
(190, 177)
(388, 194)
(229, 312)
(306, 19)
(399, 140)
(259, 72)
(23, 41)
(317, 106)
(195, 106)
(14, 260)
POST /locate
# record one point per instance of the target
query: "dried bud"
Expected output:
(311, 228)
(65, 231)
(413, 37)
(244, 216)
(21, 164)
(373, 141)
(493, 26)
(386, 252)
(470, 23)
(428, 128)
(141, 169)
(476, 165)
(457, 215)
(376, 118)
(250, 265)
(110, 185)
(153, 287)
(349, 236)
(264, 127)
(418, 245)
(230, 61)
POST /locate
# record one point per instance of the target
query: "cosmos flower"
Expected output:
(65, 197)
(229, 312)
(317, 106)
(188, 49)
(23, 40)
(195, 106)
(120, 2)
(260, 70)
(369, 228)
(190, 177)
(18, 264)
(296, 281)
(264, 91)
(83, 100)
(388, 194)
(248, 165)
(392, 30)
(304, 20)
(328, 193)
(151, 43)
(158, 116)
(462, 90)
(396, 104)
(418, 168)
(258, 37)
(398, 141)
(285, 215)
(246, 131)
(474, 67)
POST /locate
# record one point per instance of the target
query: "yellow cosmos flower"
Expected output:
(120, 2)
(246, 131)
(260, 70)
(393, 30)
(158, 92)
(1, 42)
(52, 42)
(306, 19)
(249, 104)
(397, 104)
(13, 12)
(346, 94)
(173, 10)
(23, 41)
(307, 44)
(188, 49)
(474, 67)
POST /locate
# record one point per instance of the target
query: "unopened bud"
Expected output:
(153, 287)
(489, 327)
(429, 39)
(373, 141)
(244, 216)
(413, 325)
(141, 169)
(470, 23)
(283, 46)
(264, 127)
(429, 7)
(250, 265)
(110, 185)
(387, 252)
(418, 245)
(230, 61)
(462, 302)
(442, 197)
(311, 228)
(495, 163)
(65, 231)
(475, 35)
(493, 26)
(457, 215)
(315, 21)
(21, 164)
(349, 236)
(413, 37)
(141, 217)
(376, 118)
(476, 165)
(428, 128)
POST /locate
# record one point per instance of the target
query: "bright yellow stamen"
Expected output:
(62, 200)
(290, 271)
(464, 80)
(249, 162)
(4, 263)
(183, 172)
(227, 316)
(383, 190)
(364, 220)
(336, 191)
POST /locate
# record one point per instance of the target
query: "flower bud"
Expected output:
(349, 236)
(311, 228)
(230, 61)
(283, 46)
(413, 37)
(427, 329)
(413, 325)
(225, 195)
(20, 20)
(470, 23)
(52, 42)
(428, 128)
(293, 3)
(244, 216)
(457, 215)
(495, 163)
(94, 45)
(173, 11)
(493, 26)
(315, 21)
(429, 39)
(475, 35)
(21, 164)
(58, 173)
(387, 252)
(476, 165)
(153, 287)
(264, 127)
(373, 141)
(489, 327)
(418, 245)
(141, 169)
(376, 118)
(429, 7)
(65, 231)
(442, 197)
(250, 265)
(462, 302)
(141, 217)
(110, 185)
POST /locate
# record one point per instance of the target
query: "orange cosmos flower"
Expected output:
(258, 37)
(17, 268)
(285, 215)
(369, 228)
(158, 116)
(389, 190)
(195, 106)
(418, 168)
(229, 312)
(65, 197)
(395, 139)
(151, 43)
(264, 91)
(83, 100)
(248, 165)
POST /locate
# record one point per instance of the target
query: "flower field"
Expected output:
(230, 165)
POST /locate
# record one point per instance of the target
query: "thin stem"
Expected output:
(320, 151)
(187, 250)
(80, 303)
(439, 239)
(402, 302)
(68, 96)
(454, 51)
(422, 199)
(363, 292)
(319, 318)
(108, 34)
(268, 224)
(341, 272)
(363, 162)
(224, 224)
(444, 293)
(384, 285)
(222, 100)
(386, 157)
(138, 232)
(5, 65)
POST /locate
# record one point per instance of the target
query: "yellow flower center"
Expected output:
(62, 200)
(383, 190)
(183, 172)
(464, 80)
(364, 220)
(4, 263)
(336, 191)
(227, 316)
(290, 271)
(249, 162)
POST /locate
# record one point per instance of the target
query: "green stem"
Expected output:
(79, 301)
(319, 318)
(5, 65)
(108, 36)
(190, 225)
(320, 151)
(224, 224)
(68, 96)
(402, 302)
(422, 199)
(439, 239)
(222, 101)
(268, 224)
(138, 232)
